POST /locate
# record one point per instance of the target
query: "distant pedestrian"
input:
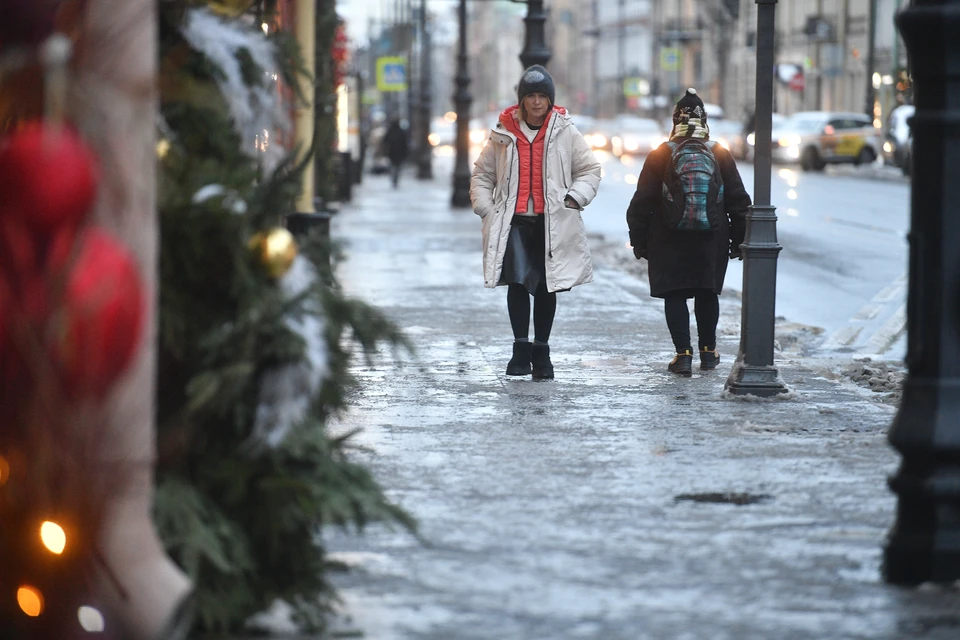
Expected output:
(687, 217)
(396, 146)
(530, 183)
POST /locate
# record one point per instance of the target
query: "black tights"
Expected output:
(544, 309)
(707, 310)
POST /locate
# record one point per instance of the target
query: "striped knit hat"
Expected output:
(689, 106)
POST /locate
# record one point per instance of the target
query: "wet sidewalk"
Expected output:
(617, 501)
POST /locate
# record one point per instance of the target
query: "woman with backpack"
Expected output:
(687, 218)
(529, 185)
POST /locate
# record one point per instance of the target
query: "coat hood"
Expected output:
(509, 119)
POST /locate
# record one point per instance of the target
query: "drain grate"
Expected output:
(724, 498)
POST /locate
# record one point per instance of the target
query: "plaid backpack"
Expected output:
(692, 195)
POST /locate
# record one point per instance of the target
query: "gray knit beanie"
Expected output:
(536, 80)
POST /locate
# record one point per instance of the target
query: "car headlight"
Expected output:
(888, 147)
(433, 139)
(793, 151)
(723, 143)
(477, 136)
(630, 144)
(792, 140)
(597, 140)
(750, 139)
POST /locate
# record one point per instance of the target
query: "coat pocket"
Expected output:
(566, 177)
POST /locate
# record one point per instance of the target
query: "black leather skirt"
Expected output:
(525, 261)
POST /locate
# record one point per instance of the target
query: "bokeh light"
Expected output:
(91, 620)
(30, 601)
(53, 537)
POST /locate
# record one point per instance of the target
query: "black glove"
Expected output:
(639, 254)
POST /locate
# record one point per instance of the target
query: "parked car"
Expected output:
(599, 134)
(749, 140)
(636, 136)
(907, 166)
(817, 138)
(714, 112)
(898, 142)
(583, 123)
(729, 135)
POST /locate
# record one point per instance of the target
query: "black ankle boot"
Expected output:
(542, 367)
(682, 364)
(519, 364)
(709, 358)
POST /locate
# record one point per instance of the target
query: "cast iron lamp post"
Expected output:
(462, 101)
(424, 149)
(754, 373)
(535, 49)
(924, 543)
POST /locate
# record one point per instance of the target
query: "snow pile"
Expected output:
(880, 377)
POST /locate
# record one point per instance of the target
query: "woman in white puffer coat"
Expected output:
(529, 185)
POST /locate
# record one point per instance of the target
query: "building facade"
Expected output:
(638, 56)
(823, 56)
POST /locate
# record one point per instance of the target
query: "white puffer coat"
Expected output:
(569, 168)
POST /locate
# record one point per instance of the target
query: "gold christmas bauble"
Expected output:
(229, 8)
(275, 250)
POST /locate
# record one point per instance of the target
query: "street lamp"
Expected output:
(924, 543)
(462, 101)
(424, 148)
(754, 373)
(535, 49)
(871, 58)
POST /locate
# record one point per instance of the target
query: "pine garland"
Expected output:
(242, 518)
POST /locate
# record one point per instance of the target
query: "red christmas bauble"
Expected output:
(48, 176)
(103, 313)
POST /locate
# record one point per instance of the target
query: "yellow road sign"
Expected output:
(670, 58)
(391, 73)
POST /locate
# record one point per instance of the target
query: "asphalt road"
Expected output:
(843, 265)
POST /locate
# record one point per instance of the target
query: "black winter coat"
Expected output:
(682, 260)
(396, 143)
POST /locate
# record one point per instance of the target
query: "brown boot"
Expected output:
(709, 359)
(682, 364)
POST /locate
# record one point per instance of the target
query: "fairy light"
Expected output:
(53, 537)
(30, 601)
(90, 619)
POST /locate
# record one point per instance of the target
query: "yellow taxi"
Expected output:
(817, 138)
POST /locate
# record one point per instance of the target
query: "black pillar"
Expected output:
(535, 49)
(754, 373)
(462, 100)
(871, 57)
(424, 149)
(924, 543)
(362, 130)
